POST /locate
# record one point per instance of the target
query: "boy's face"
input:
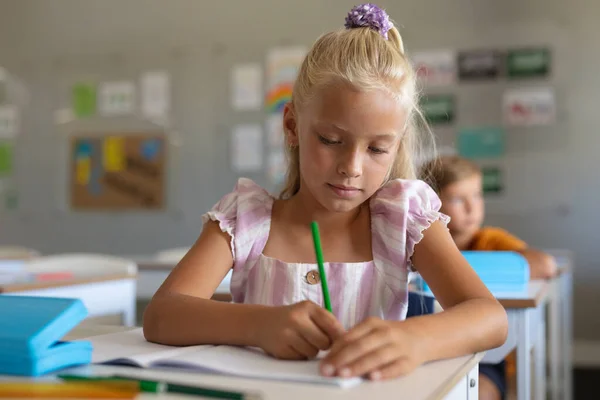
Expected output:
(463, 202)
(348, 141)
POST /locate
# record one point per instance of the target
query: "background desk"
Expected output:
(153, 272)
(526, 332)
(102, 294)
(454, 379)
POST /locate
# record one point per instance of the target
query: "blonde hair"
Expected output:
(446, 170)
(364, 59)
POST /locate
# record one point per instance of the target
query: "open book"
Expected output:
(130, 348)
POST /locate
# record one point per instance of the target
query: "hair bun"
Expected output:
(369, 15)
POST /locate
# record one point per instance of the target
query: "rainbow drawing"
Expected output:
(278, 97)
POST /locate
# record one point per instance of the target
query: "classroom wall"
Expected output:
(49, 42)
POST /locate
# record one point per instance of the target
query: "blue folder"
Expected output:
(500, 271)
(30, 333)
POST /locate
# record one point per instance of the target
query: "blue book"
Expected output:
(31, 329)
(500, 271)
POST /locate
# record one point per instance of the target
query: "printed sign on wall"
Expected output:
(479, 64)
(529, 106)
(528, 63)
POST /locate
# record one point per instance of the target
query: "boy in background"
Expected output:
(459, 184)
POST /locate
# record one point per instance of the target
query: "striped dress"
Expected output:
(400, 211)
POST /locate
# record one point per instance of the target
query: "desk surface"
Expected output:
(77, 279)
(536, 293)
(429, 382)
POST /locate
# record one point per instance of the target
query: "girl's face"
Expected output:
(348, 140)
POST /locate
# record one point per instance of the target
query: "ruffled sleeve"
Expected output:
(401, 211)
(244, 215)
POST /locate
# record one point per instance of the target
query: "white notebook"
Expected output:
(130, 348)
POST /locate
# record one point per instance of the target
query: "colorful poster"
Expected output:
(282, 68)
(528, 63)
(277, 167)
(117, 98)
(275, 134)
(492, 180)
(529, 106)
(247, 148)
(246, 87)
(113, 173)
(155, 88)
(435, 68)
(6, 158)
(9, 121)
(479, 64)
(84, 99)
(438, 109)
(482, 142)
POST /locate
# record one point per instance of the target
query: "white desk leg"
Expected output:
(567, 333)
(523, 356)
(554, 340)
(540, 356)
(467, 388)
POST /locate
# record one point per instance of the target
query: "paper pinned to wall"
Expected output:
(6, 158)
(156, 96)
(282, 68)
(246, 87)
(275, 134)
(277, 167)
(247, 148)
(84, 98)
(529, 106)
(435, 67)
(117, 98)
(9, 121)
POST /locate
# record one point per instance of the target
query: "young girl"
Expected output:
(351, 141)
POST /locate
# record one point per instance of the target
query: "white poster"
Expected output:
(529, 106)
(246, 87)
(275, 135)
(156, 96)
(117, 98)
(277, 167)
(247, 148)
(435, 68)
(9, 121)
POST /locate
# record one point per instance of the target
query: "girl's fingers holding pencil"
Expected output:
(304, 347)
(327, 322)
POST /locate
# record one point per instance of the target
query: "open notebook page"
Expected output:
(130, 348)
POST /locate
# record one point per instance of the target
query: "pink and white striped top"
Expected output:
(400, 211)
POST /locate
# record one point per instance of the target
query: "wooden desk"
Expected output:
(527, 331)
(454, 379)
(153, 272)
(102, 294)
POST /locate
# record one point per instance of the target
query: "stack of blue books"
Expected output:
(30, 333)
(500, 271)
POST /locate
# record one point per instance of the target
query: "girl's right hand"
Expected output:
(297, 331)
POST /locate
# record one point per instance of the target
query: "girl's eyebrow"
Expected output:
(379, 136)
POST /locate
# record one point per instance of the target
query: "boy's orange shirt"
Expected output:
(496, 239)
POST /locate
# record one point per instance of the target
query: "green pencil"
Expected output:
(319, 252)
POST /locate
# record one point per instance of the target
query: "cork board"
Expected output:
(118, 172)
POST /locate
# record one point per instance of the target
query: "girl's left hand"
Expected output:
(376, 348)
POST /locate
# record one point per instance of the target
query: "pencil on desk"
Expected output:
(319, 253)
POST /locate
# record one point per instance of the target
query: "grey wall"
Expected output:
(48, 43)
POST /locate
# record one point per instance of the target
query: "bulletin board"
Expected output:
(120, 172)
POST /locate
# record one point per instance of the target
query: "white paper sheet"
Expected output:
(156, 96)
(246, 87)
(529, 106)
(9, 121)
(117, 98)
(247, 148)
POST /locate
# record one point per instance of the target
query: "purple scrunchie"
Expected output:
(370, 16)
